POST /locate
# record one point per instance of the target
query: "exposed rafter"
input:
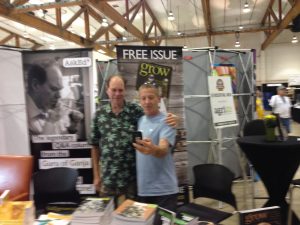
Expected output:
(57, 5)
(263, 21)
(102, 30)
(19, 2)
(195, 35)
(111, 13)
(52, 29)
(293, 12)
(207, 20)
(33, 42)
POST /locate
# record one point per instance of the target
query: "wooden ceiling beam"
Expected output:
(149, 29)
(102, 30)
(27, 39)
(293, 12)
(272, 13)
(73, 18)
(97, 17)
(50, 28)
(87, 24)
(263, 21)
(111, 13)
(6, 39)
(54, 5)
(147, 7)
(207, 19)
(135, 12)
(197, 34)
(19, 2)
(58, 17)
(17, 40)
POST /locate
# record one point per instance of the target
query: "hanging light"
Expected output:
(124, 38)
(104, 22)
(237, 41)
(25, 34)
(171, 16)
(52, 46)
(241, 27)
(237, 44)
(294, 39)
(246, 8)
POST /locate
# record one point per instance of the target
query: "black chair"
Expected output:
(212, 181)
(254, 127)
(55, 190)
(294, 184)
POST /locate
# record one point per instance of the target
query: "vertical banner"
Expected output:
(221, 101)
(58, 111)
(161, 66)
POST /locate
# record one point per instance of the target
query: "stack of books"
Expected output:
(267, 215)
(93, 211)
(17, 213)
(134, 213)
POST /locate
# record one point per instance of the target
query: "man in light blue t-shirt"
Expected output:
(156, 176)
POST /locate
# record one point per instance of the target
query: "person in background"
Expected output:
(281, 105)
(113, 156)
(44, 83)
(156, 176)
(260, 112)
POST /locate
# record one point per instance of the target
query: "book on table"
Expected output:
(17, 213)
(134, 213)
(93, 211)
(167, 217)
(260, 216)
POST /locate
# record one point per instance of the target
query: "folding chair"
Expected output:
(212, 181)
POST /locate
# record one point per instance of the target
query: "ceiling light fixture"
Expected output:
(25, 34)
(104, 22)
(237, 41)
(241, 27)
(52, 46)
(294, 39)
(171, 16)
(246, 8)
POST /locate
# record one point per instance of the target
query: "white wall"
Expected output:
(280, 61)
(14, 137)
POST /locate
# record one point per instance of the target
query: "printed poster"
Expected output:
(221, 101)
(58, 112)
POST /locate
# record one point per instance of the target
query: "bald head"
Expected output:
(44, 85)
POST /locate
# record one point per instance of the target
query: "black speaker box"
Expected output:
(296, 24)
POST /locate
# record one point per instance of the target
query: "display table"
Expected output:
(276, 164)
(295, 114)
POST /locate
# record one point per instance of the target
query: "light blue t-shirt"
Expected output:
(156, 176)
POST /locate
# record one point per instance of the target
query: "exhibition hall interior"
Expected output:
(149, 112)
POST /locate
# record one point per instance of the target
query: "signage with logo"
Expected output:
(221, 101)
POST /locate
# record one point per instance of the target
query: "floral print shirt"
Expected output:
(113, 134)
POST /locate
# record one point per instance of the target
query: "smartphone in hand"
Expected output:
(137, 135)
